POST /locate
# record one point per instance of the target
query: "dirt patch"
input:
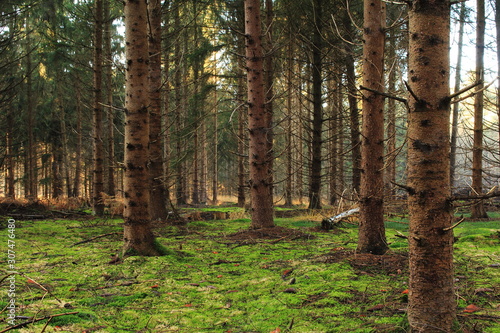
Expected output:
(275, 233)
(390, 263)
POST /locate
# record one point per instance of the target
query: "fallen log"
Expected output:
(331, 222)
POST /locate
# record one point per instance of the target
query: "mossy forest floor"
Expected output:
(219, 278)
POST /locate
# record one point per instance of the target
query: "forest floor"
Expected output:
(220, 277)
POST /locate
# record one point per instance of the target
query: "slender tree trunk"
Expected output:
(353, 105)
(157, 204)
(30, 121)
(432, 304)
(166, 105)
(179, 108)
(111, 188)
(371, 232)
(456, 106)
(317, 121)
(289, 122)
(259, 122)
(138, 236)
(334, 139)
(215, 143)
(242, 142)
(9, 156)
(391, 116)
(478, 210)
(98, 155)
(78, 150)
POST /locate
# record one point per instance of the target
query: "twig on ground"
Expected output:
(96, 237)
(36, 320)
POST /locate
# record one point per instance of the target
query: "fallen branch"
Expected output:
(96, 237)
(36, 320)
(328, 223)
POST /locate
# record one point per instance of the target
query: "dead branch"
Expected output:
(455, 225)
(401, 235)
(408, 189)
(23, 324)
(461, 91)
(96, 237)
(381, 93)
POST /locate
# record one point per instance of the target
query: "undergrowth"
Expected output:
(212, 282)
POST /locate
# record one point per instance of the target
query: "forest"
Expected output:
(250, 166)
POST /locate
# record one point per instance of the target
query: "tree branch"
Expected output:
(403, 100)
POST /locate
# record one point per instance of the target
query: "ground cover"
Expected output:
(218, 277)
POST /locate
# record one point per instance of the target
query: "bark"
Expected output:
(109, 104)
(353, 106)
(478, 210)
(289, 152)
(242, 142)
(259, 126)
(317, 121)
(456, 106)
(371, 232)
(78, 150)
(334, 139)
(98, 155)
(157, 204)
(431, 296)
(138, 236)
(32, 178)
(497, 25)
(9, 156)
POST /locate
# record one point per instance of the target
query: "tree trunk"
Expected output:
(371, 234)
(138, 236)
(78, 150)
(242, 142)
(431, 296)
(157, 204)
(317, 121)
(259, 122)
(353, 105)
(478, 210)
(32, 150)
(391, 134)
(98, 155)
(497, 24)
(289, 99)
(9, 156)
(456, 106)
(111, 188)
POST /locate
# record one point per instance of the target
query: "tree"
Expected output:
(478, 210)
(431, 297)
(317, 119)
(371, 235)
(138, 236)
(259, 126)
(158, 204)
(98, 155)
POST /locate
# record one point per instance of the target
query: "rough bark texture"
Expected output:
(98, 156)
(259, 126)
(431, 294)
(371, 234)
(478, 210)
(138, 237)
(157, 204)
(317, 121)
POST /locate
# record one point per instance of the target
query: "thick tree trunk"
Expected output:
(317, 121)
(98, 155)
(431, 296)
(157, 204)
(259, 122)
(371, 234)
(138, 236)
(478, 210)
